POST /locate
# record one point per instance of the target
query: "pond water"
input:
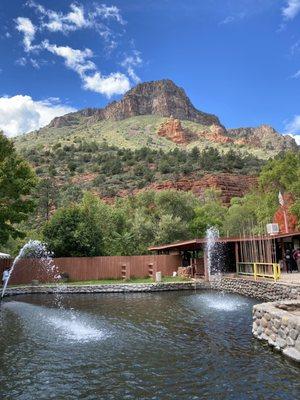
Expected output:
(175, 345)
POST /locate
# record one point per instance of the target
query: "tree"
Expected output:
(17, 181)
(210, 212)
(47, 193)
(74, 232)
(171, 229)
(283, 173)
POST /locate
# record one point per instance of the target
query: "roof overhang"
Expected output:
(196, 244)
(5, 255)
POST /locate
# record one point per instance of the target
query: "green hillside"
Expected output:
(131, 133)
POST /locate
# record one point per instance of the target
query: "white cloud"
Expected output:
(131, 62)
(20, 114)
(78, 61)
(296, 75)
(81, 61)
(78, 18)
(233, 18)
(25, 26)
(297, 138)
(108, 12)
(292, 128)
(57, 21)
(291, 9)
(115, 83)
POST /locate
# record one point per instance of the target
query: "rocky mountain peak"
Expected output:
(263, 136)
(162, 98)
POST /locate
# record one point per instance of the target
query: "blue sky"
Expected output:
(238, 59)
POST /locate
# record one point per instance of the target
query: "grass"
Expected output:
(165, 279)
(132, 133)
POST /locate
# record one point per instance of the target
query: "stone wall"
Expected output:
(261, 290)
(266, 291)
(105, 288)
(280, 327)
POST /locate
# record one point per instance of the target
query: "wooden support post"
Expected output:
(255, 271)
(236, 246)
(125, 271)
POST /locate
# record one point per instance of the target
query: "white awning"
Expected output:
(5, 255)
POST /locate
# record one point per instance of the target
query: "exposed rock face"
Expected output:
(172, 129)
(263, 136)
(161, 98)
(217, 134)
(230, 185)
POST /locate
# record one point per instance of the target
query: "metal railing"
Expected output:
(259, 270)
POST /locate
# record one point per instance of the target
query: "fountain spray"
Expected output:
(33, 249)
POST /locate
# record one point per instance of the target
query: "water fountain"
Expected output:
(36, 250)
(66, 323)
(213, 264)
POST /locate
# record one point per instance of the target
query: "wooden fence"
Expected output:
(94, 268)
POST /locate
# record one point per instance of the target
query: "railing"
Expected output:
(259, 270)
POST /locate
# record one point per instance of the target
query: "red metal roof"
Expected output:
(192, 244)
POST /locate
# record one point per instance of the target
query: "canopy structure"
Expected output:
(233, 254)
(200, 243)
(5, 255)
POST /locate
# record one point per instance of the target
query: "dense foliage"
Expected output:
(252, 212)
(17, 180)
(74, 231)
(76, 222)
(109, 170)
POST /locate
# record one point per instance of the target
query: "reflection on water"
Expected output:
(184, 345)
(61, 323)
(221, 302)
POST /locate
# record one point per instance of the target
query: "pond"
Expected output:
(175, 345)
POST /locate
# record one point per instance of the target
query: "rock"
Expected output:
(264, 322)
(281, 343)
(263, 136)
(259, 330)
(281, 333)
(285, 320)
(297, 343)
(290, 341)
(162, 98)
(268, 332)
(294, 334)
(267, 316)
(273, 337)
(172, 130)
(292, 353)
(277, 323)
(216, 134)
(230, 185)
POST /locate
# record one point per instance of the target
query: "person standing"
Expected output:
(296, 257)
(288, 261)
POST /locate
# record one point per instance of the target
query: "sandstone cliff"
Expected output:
(172, 130)
(263, 136)
(230, 185)
(162, 98)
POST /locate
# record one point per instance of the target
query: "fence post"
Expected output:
(255, 271)
(125, 271)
